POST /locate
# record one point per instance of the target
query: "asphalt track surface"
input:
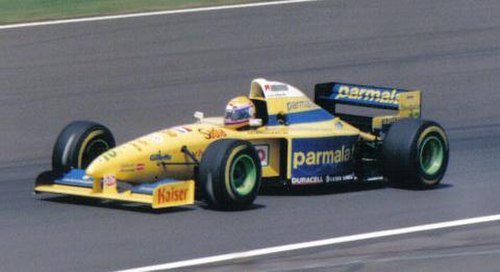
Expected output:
(142, 74)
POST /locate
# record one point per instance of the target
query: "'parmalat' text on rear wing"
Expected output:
(406, 102)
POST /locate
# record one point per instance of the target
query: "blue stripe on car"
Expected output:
(75, 177)
(148, 188)
(302, 117)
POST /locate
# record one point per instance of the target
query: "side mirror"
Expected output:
(255, 122)
(199, 115)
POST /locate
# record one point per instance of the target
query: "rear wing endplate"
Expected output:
(406, 102)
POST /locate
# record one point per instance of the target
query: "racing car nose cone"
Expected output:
(94, 170)
(99, 168)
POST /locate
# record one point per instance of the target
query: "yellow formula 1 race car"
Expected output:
(276, 135)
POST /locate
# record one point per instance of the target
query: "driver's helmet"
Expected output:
(239, 111)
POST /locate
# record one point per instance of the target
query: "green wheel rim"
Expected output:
(243, 175)
(431, 155)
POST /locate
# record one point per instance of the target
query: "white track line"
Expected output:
(154, 13)
(312, 244)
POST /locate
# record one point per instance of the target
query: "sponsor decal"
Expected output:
(132, 167)
(367, 94)
(276, 94)
(307, 180)
(109, 181)
(160, 157)
(213, 133)
(263, 152)
(182, 129)
(109, 155)
(280, 90)
(171, 194)
(155, 138)
(300, 105)
(329, 156)
(332, 179)
(276, 90)
(321, 179)
(276, 87)
(320, 157)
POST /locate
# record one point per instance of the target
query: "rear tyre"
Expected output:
(415, 153)
(230, 174)
(78, 144)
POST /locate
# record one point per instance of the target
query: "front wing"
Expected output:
(158, 194)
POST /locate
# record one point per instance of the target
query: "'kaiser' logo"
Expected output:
(171, 194)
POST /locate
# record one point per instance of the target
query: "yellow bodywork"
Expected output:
(408, 107)
(173, 153)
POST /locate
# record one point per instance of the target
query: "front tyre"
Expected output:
(78, 144)
(230, 174)
(415, 153)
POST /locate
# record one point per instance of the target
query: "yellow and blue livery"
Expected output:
(292, 141)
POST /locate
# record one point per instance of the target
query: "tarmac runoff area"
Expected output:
(142, 74)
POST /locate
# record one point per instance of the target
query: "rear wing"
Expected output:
(406, 102)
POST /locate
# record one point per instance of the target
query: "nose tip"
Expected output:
(93, 170)
(98, 168)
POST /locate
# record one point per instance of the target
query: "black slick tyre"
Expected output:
(78, 144)
(415, 153)
(230, 174)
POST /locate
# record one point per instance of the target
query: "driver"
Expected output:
(239, 111)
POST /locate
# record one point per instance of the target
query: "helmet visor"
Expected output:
(235, 115)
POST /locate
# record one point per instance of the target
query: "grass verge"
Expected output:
(17, 11)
